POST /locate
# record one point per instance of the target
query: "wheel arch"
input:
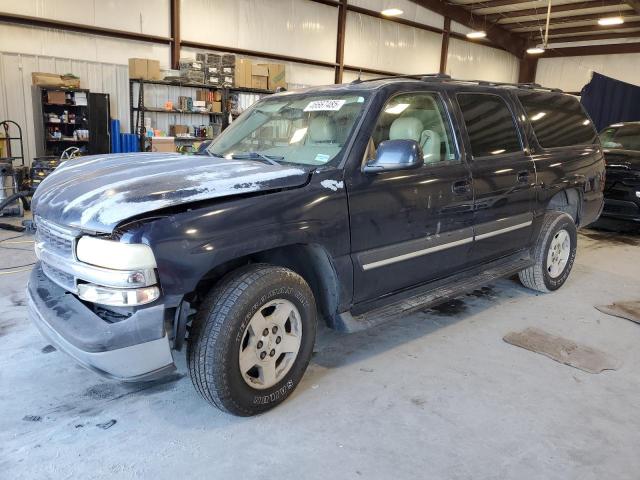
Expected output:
(569, 201)
(311, 261)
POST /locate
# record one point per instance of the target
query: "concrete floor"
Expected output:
(435, 395)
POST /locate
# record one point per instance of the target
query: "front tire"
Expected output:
(553, 253)
(252, 339)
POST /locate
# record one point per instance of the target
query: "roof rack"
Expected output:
(426, 77)
(442, 77)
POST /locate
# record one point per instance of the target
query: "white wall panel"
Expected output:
(141, 16)
(411, 11)
(15, 88)
(299, 28)
(56, 43)
(472, 61)
(383, 45)
(573, 73)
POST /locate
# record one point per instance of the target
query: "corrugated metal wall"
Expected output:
(573, 73)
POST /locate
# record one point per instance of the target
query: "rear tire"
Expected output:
(553, 253)
(252, 339)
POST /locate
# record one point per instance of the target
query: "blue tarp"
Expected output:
(609, 101)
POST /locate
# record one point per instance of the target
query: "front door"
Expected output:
(410, 226)
(503, 176)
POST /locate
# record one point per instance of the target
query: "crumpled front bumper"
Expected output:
(131, 350)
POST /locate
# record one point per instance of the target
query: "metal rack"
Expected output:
(53, 146)
(137, 111)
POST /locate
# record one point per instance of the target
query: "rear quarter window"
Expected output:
(558, 120)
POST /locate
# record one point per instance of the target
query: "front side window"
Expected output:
(419, 117)
(304, 129)
(490, 124)
(624, 137)
(558, 120)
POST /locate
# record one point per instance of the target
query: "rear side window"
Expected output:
(557, 120)
(490, 124)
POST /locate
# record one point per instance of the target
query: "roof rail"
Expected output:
(442, 77)
(415, 76)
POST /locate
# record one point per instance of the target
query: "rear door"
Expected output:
(410, 226)
(503, 175)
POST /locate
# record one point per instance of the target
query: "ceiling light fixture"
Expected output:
(477, 34)
(391, 12)
(537, 50)
(611, 21)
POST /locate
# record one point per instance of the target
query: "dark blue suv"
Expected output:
(351, 203)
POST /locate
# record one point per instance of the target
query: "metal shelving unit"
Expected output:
(136, 112)
(53, 146)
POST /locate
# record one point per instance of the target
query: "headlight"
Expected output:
(118, 297)
(115, 255)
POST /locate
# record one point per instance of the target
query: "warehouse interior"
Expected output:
(444, 390)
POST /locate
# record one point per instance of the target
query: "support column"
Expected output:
(444, 52)
(342, 26)
(528, 67)
(175, 34)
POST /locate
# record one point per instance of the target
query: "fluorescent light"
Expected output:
(535, 50)
(498, 152)
(391, 12)
(538, 116)
(477, 34)
(611, 21)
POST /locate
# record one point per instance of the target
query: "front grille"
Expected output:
(60, 241)
(55, 238)
(66, 281)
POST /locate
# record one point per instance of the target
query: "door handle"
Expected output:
(523, 177)
(461, 187)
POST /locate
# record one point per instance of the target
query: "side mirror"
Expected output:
(395, 155)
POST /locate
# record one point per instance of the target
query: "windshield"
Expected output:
(305, 129)
(625, 137)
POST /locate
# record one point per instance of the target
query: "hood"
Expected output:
(98, 192)
(625, 159)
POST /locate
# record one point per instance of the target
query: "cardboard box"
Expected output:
(51, 79)
(138, 68)
(260, 70)
(213, 69)
(70, 81)
(175, 130)
(277, 76)
(163, 144)
(216, 107)
(153, 70)
(243, 73)
(259, 82)
(214, 80)
(56, 97)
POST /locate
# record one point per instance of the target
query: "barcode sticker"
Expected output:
(324, 106)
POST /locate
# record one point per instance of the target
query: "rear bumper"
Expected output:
(129, 350)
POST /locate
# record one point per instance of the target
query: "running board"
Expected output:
(433, 294)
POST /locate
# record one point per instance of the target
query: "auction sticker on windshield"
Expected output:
(324, 106)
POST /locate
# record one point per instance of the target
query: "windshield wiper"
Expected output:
(271, 159)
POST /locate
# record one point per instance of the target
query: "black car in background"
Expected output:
(621, 143)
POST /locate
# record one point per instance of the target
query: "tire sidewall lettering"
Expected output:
(555, 283)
